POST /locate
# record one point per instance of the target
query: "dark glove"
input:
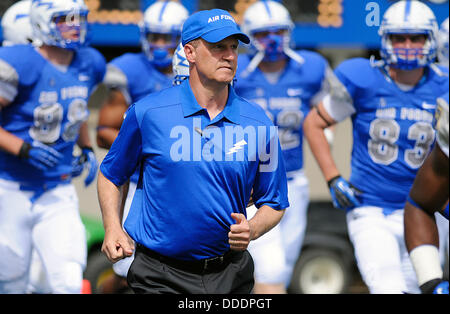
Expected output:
(87, 161)
(343, 193)
(39, 155)
(435, 286)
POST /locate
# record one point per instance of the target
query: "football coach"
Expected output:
(202, 150)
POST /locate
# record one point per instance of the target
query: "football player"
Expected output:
(428, 194)
(442, 223)
(133, 76)
(44, 91)
(391, 103)
(286, 83)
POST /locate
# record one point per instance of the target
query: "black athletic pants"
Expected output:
(155, 274)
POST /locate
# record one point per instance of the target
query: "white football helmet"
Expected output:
(16, 27)
(180, 65)
(442, 52)
(45, 15)
(162, 17)
(268, 16)
(408, 17)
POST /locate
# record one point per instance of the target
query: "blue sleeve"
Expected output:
(121, 62)
(343, 73)
(129, 64)
(132, 66)
(25, 61)
(125, 154)
(270, 185)
(99, 66)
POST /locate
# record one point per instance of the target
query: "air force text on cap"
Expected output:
(220, 17)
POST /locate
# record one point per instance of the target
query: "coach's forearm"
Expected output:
(265, 219)
(123, 195)
(109, 196)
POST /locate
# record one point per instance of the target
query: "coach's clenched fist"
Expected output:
(117, 245)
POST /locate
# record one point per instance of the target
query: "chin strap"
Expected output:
(293, 55)
(256, 60)
(438, 71)
(376, 63)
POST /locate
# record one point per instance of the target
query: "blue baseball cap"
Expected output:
(211, 25)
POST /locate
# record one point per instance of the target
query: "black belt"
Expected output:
(197, 266)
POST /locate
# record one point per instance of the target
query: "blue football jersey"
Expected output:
(288, 101)
(142, 78)
(50, 106)
(392, 130)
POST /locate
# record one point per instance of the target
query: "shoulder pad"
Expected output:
(25, 61)
(312, 57)
(97, 61)
(114, 77)
(131, 64)
(358, 72)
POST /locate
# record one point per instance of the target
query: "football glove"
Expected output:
(87, 161)
(343, 193)
(39, 155)
(435, 286)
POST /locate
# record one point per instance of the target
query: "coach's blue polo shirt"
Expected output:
(195, 171)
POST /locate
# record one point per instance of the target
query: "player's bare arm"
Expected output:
(430, 190)
(116, 244)
(431, 181)
(315, 123)
(110, 118)
(428, 194)
(420, 228)
(84, 139)
(9, 142)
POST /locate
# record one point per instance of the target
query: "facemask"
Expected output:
(273, 46)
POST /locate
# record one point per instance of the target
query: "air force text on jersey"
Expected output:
(231, 143)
